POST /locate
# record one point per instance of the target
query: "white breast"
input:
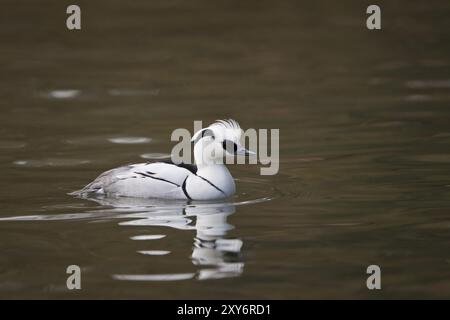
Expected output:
(212, 182)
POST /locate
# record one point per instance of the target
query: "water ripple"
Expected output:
(130, 140)
(51, 162)
(148, 237)
(154, 252)
(154, 277)
(156, 156)
(214, 254)
(63, 93)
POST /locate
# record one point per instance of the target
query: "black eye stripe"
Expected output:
(229, 146)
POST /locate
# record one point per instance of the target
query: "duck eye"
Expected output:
(229, 146)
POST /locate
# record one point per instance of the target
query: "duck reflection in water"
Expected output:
(215, 255)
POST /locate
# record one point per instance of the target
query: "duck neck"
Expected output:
(212, 169)
(206, 166)
(215, 172)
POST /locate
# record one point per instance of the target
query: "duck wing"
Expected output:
(158, 179)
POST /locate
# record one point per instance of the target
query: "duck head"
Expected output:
(219, 140)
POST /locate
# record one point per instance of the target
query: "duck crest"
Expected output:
(229, 129)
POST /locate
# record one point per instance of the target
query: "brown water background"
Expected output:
(364, 119)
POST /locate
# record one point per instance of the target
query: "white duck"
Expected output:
(209, 179)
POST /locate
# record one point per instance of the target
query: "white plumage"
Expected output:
(209, 179)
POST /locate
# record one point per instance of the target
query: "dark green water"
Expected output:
(364, 119)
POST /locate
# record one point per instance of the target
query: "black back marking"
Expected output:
(191, 167)
(183, 187)
(156, 178)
